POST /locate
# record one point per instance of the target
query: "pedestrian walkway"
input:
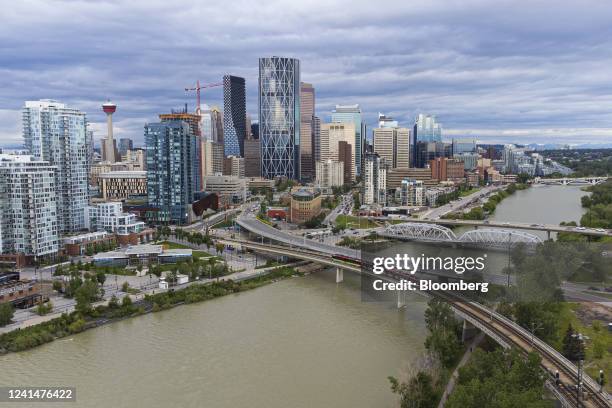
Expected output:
(453, 379)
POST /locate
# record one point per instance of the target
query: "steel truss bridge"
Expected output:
(489, 237)
(505, 332)
(567, 181)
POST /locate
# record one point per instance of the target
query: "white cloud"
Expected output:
(513, 67)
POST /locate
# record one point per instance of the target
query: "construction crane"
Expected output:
(199, 87)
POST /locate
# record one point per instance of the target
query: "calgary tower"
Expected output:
(109, 147)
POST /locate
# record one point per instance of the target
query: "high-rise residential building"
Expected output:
(331, 134)
(125, 144)
(252, 158)
(121, 185)
(233, 166)
(329, 174)
(412, 193)
(28, 207)
(393, 145)
(108, 144)
(279, 117)
(307, 110)
(172, 170)
(374, 188)
(111, 218)
(212, 123)
(55, 133)
(234, 115)
(182, 115)
(352, 114)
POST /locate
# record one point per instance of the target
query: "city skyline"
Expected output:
(519, 76)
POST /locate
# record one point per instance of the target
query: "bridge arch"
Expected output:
(419, 231)
(499, 238)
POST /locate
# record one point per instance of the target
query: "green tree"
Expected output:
(6, 314)
(572, 346)
(418, 393)
(101, 277)
(85, 295)
(219, 247)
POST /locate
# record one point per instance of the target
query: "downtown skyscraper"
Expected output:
(279, 117)
(57, 134)
(352, 114)
(307, 110)
(234, 115)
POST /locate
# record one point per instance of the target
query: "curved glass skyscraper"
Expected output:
(279, 117)
(234, 115)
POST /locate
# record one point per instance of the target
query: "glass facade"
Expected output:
(234, 115)
(58, 134)
(279, 117)
(352, 114)
(172, 170)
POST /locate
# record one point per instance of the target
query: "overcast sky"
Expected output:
(533, 71)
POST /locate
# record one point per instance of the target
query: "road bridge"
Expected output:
(488, 237)
(570, 181)
(499, 328)
(595, 232)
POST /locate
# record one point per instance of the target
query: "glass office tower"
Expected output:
(352, 114)
(279, 117)
(234, 115)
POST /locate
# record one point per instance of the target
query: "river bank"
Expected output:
(76, 322)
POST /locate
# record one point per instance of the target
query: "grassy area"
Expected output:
(598, 346)
(173, 245)
(225, 223)
(468, 192)
(202, 254)
(348, 221)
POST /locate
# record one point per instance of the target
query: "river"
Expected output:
(301, 342)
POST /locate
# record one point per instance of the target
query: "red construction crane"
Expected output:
(197, 88)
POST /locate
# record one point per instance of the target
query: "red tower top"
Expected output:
(109, 107)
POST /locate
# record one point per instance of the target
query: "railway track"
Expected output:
(552, 360)
(510, 334)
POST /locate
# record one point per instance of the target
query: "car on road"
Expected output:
(580, 228)
(600, 230)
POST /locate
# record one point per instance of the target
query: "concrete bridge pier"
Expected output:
(401, 299)
(339, 275)
(548, 235)
(468, 332)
